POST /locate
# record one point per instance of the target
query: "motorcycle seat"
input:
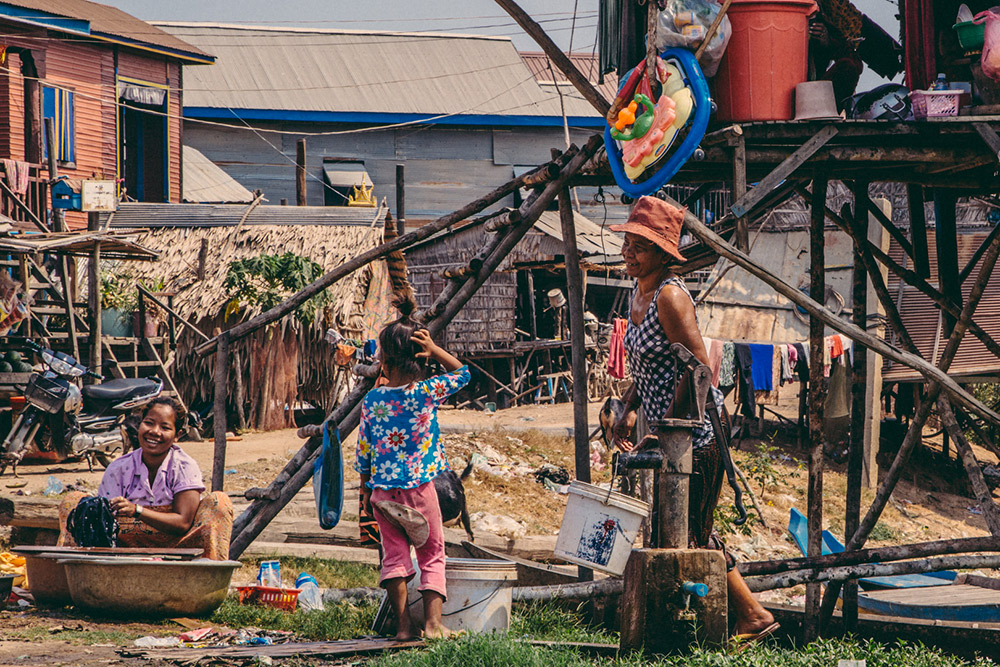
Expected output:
(114, 391)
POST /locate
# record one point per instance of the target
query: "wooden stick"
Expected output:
(991, 513)
(885, 554)
(976, 256)
(753, 498)
(399, 243)
(720, 246)
(839, 574)
(149, 295)
(219, 412)
(712, 29)
(559, 59)
(582, 591)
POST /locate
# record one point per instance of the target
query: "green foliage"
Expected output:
(760, 467)
(119, 292)
(484, 650)
(883, 532)
(267, 280)
(725, 521)
(337, 621)
(547, 621)
(988, 394)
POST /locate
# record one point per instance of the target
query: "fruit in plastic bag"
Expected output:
(684, 23)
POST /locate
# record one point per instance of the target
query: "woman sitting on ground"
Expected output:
(156, 492)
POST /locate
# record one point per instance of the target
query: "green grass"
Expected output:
(340, 621)
(329, 573)
(79, 637)
(502, 650)
(547, 622)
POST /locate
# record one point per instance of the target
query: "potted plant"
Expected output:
(119, 301)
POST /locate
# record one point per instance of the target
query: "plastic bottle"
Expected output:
(941, 83)
(311, 598)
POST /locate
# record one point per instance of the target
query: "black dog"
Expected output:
(451, 497)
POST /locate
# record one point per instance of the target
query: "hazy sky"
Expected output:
(469, 16)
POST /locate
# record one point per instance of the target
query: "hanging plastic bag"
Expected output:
(328, 481)
(684, 24)
(991, 42)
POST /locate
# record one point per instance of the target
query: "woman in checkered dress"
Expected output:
(661, 313)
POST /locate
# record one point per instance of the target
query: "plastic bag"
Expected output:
(991, 42)
(328, 480)
(684, 23)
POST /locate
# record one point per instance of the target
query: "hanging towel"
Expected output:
(616, 352)
(786, 368)
(836, 346)
(802, 362)
(17, 175)
(838, 399)
(827, 357)
(744, 364)
(727, 370)
(793, 357)
(714, 348)
(762, 366)
(848, 346)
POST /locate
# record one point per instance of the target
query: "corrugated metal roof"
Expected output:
(131, 215)
(206, 182)
(591, 239)
(111, 21)
(587, 63)
(922, 318)
(287, 69)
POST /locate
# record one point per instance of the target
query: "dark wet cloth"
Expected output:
(744, 380)
(705, 487)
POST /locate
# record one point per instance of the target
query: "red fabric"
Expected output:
(919, 45)
(714, 358)
(616, 349)
(836, 346)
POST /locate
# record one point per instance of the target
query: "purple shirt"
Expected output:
(127, 476)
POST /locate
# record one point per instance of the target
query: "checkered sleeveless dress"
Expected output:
(653, 367)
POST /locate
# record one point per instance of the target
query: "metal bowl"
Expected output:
(121, 586)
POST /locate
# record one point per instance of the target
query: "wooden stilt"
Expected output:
(991, 513)
(219, 412)
(817, 396)
(918, 229)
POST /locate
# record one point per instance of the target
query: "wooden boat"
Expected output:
(945, 596)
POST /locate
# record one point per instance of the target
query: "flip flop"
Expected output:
(743, 641)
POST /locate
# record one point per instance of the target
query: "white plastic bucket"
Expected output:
(598, 530)
(479, 595)
(556, 298)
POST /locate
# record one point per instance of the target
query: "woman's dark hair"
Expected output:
(180, 414)
(398, 351)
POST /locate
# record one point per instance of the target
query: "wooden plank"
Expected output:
(739, 191)
(746, 203)
(989, 137)
(884, 220)
(989, 508)
(529, 572)
(221, 393)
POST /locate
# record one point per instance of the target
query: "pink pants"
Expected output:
(396, 561)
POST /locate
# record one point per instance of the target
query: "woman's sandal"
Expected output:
(743, 641)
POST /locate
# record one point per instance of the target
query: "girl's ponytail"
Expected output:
(398, 351)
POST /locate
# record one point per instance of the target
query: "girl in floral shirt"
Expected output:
(399, 455)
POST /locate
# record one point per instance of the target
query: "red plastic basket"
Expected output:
(279, 598)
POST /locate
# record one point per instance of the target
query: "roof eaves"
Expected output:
(377, 118)
(330, 31)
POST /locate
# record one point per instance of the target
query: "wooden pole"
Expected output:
(991, 513)
(946, 240)
(400, 199)
(574, 287)
(94, 296)
(817, 396)
(931, 372)
(33, 111)
(918, 229)
(859, 384)
(874, 555)
(219, 411)
(913, 434)
(300, 173)
(739, 190)
(399, 243)
(839, 574)
(58, 225)
(558, 58)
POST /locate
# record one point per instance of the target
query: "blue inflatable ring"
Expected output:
(693, 79)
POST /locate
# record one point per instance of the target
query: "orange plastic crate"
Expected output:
(279, 598)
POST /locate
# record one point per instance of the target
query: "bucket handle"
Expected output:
(477, 602)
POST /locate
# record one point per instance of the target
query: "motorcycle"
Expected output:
(96, 422)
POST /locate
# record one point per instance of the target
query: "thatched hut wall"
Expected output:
(287, 362)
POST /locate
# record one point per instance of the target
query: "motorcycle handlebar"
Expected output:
(96, 376)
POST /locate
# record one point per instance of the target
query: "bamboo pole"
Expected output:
(817, 397)
(399, 243)
(991, 513)
(839, 574)
(931, 372)
(886, 554)
(219, 412)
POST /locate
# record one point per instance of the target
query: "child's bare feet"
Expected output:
(437, 631)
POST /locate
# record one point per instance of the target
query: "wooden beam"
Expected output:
(935, 374)
(170, 311)
(989, 137)
(817, 395)
(976, 256)
(946, 241)
(739, 190)
(219, 411)
(94, 297)
(300, 173)
(788, 166)
(558, 58)
(883, 220)
(991, 513)
(885, 554)
(918, 229)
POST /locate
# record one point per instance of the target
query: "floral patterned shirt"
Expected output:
(399, 441)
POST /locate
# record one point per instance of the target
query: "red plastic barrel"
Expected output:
(766, 57)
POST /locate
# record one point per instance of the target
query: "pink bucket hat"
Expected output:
(657, 221)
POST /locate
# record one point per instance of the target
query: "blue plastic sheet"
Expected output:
(328, 480)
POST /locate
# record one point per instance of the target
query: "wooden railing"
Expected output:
(31, 205)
